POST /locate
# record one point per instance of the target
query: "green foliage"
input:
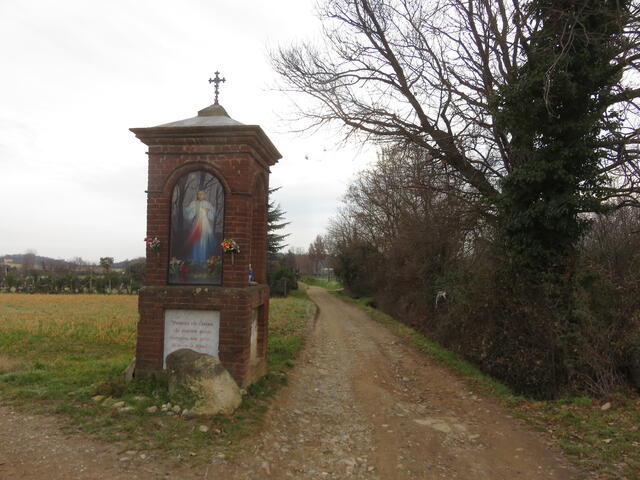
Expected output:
(554, 111)
(10, 280)
(544, 329)
(551, 326)
(288, 260)
(282, 281)
(275, 224)
(523, 334)
(286, 336)
(355, 264)
(106, 263)
(70, 282)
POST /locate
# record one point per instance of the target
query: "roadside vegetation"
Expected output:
(60, 352)
(318, 281)
(502, 214)
(28, 273)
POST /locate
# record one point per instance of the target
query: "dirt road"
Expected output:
(359, 405)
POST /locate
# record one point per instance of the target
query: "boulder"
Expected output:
(214, 389)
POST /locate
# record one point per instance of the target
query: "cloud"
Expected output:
(79, 74)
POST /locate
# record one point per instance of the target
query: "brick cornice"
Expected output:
(230, 136)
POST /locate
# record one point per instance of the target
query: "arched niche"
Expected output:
(197, 229)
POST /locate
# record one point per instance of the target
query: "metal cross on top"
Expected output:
(217, 80)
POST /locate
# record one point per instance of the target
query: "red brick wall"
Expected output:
(240, 159)
(259, 230)
(235, 306)
(243, 210)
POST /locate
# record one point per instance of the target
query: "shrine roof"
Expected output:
(212, 116)
(212, 126)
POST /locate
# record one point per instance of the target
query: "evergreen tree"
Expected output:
(275, 224)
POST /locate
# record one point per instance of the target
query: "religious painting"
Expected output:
(197, 220)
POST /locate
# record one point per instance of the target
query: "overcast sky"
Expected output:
(77, 74)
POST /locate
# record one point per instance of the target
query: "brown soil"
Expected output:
(359, 405)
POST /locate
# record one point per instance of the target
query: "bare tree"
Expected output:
(304, 264)
(317, 253)
(427, 73)
(396, 195)
(76, 264)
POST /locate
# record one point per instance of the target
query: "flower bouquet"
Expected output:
(177, 268)
(153, 243)
(212, 263)
(174, 266)
(230, 246)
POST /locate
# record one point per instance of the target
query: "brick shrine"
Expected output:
(215, 155)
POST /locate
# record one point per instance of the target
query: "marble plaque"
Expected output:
(253, 352)
(198, 330)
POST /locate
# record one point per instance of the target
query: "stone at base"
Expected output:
(214, 388)
(129, 371)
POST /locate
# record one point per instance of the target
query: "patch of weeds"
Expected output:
(603, 441)
(182, 396)
(114, 387)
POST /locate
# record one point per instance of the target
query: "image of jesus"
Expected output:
(200, 239)
(197, 214)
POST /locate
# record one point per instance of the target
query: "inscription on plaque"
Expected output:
(198, 330)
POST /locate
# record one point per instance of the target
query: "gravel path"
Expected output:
(360, 405)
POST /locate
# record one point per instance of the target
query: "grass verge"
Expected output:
(606, 442)
(59, 352)
(322, 282)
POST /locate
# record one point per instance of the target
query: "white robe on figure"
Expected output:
(201, 240)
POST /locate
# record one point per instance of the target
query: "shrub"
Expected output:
(356, 265)
(283, 280)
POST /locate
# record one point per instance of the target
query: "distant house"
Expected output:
(8, 262)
